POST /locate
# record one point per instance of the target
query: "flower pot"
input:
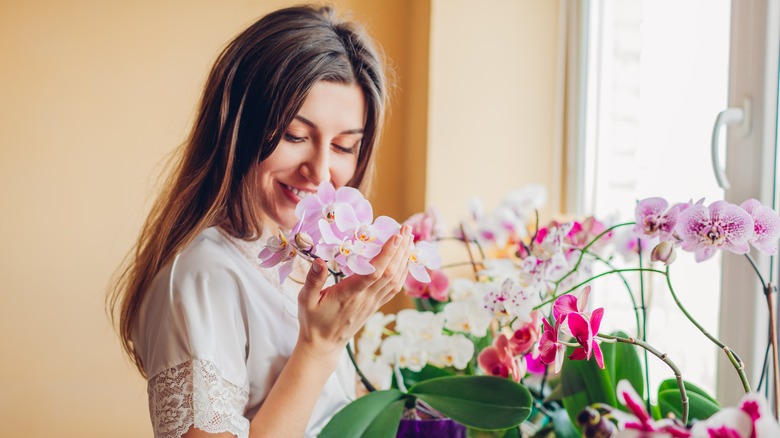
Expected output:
(431, 428)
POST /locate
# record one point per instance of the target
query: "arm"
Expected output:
(329, 318)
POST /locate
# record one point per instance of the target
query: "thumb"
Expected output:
(315, 280)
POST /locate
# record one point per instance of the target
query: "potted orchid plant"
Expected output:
(508, 339)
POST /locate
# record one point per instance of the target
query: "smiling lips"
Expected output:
(299, 193)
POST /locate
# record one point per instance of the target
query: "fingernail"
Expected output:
(407, 230)
(396, 240)
(316, 267)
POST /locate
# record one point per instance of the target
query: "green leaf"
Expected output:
(481, 402)
(412, 378)
(699, 407)
(623, 362)
(355, 419)
(689, 388)
(385, 425)
(584, 383)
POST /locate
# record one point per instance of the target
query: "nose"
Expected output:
(316, 166)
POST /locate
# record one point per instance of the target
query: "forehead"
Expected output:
(335, 107)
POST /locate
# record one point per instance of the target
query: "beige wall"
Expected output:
(492, 101)
(95, 94)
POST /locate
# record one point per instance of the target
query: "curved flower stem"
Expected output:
(575, 287)
(585, 249)
(468, 250)
(769, 292)
(644, 321)
(735, 360)
(665, 358)
(628, 289)
(363, 378)
(755, 268)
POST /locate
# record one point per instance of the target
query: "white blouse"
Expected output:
(214, 333)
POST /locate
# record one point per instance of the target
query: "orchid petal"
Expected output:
(327, 233)
(326, 192)
(349, 195)
(346, 220)
(564, 305)
(627, 395)
(598, 355)
(419, 273)
(360, 265)
(284, 270)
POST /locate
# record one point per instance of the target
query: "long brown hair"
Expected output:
(255, 89)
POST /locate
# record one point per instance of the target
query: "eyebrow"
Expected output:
(311, 124)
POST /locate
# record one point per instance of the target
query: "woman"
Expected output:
(296, 99)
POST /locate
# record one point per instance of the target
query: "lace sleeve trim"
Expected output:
(195, 394)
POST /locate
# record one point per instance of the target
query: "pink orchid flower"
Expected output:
(641, 420)
(424, 257)
(352, 255)
(358, 221)
(278, 250)
(549, 241)
(425, 226)
(322, 205)
(766, 226)
(524, 338)
(654, 220)
(551, 351)
(497, 360)
(437, 288)
(704, 230)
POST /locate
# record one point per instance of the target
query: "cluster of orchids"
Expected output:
(526, 309)
(498, 311)
(523, 312)
(338, 226)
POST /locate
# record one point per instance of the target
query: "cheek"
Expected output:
(342, 170)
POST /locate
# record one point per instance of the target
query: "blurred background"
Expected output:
(602, 102)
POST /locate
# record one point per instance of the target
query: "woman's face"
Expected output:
(321, 144)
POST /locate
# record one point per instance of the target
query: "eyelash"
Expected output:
(293, 139)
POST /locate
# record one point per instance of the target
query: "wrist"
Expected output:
(325, 357)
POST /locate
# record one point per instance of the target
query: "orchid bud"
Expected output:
(664, 252)
(304, 242)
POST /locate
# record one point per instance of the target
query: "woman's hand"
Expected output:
(330, 317)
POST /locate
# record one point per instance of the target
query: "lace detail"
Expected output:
(195, 394)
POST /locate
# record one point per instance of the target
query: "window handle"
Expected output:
(729, 116)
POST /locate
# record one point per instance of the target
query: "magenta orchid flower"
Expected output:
(424, 255)
(704, 230)
(551, 351)
(278, 250)
(584, 331)
(766, 226)
(641, 420)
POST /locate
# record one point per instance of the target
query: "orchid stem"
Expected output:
(468, 249)
(585, 249)
(644, 322)
(628, 289)
(770, 302)
(577, 286)
(665, 358)
(735, 361)
(363, 378)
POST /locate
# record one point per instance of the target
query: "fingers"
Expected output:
(390, 250)
(315, 280)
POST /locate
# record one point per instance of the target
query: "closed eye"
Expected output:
(344, 150)
(293, 139)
